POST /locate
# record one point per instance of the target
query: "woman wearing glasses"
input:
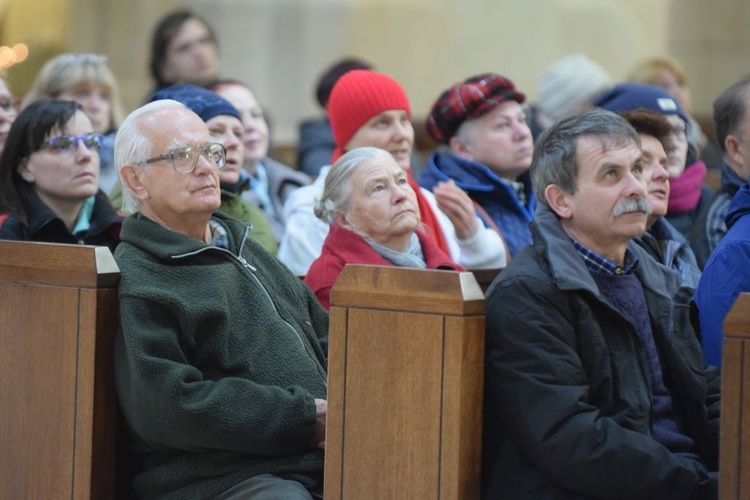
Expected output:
(49, 179)
(88, 80)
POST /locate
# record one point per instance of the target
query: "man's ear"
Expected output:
(460, 148)
(559, 201)
(732, 147)
(131, 177)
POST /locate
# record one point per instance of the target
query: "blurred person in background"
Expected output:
(668, 74)
(88, 80)
(316, 143)
(270, 181)
(8, 110)
(565, 87)
(183, 50)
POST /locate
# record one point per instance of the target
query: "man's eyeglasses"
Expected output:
(185, 158)
(9, 104)
(69, 143)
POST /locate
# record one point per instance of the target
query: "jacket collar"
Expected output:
(165, 244)
(39, 215)
(568, 270)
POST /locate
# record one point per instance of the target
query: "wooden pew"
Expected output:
(58, 317)
(405, 370)
(734, 459)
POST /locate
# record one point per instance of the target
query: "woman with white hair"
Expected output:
(374, 219)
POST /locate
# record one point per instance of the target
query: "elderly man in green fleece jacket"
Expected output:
(220, 360)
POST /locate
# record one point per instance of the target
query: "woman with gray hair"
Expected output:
(374, 219)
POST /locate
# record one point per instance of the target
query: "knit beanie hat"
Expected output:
(567, 85)
(358, 96)
(467, 100)
(202, 102)
(631, 96)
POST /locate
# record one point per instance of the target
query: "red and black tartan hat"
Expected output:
(469, 99)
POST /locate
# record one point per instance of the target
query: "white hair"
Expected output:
(133, 146)
(338, 186)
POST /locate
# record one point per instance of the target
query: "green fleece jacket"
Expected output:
(233, 205)
(218, 359)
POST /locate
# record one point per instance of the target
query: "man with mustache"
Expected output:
(594, 384)
(220, 358)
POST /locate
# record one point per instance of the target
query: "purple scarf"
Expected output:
(685, 190)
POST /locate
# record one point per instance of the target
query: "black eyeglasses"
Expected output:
(9, 104)
(185, 158)
(69, 143)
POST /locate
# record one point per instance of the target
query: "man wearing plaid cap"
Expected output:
(489, 149)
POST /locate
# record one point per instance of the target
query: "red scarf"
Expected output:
(432, 225)
(685, 190)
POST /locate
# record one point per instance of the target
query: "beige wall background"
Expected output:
(280, 47)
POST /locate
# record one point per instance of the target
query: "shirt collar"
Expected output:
(219, 237)
(83, 224)
(598, 264)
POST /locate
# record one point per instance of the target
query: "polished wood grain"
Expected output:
(734, 459)
(395, 289)
(405, 386)
(57, 397)
(60, 265)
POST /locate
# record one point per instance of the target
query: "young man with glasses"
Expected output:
(220, 360)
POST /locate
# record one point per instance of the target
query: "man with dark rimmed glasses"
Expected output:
(220, 359)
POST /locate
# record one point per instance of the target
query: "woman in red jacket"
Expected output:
(374, 219)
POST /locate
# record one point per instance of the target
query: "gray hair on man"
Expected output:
(134, 147)
(338, 186)
(555, 159)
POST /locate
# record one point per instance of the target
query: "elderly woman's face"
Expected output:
(382, 205)
(390, 130)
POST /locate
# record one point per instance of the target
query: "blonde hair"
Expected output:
(648, 70)
(68, 70)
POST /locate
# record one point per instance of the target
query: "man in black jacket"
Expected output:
(595, 383)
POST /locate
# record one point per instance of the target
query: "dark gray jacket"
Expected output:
(568, 403)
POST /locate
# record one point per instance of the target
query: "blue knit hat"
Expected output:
(631, 96)
(202, 102)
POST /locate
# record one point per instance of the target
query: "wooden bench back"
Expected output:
(734, 459)
(405, 374)
(57, 326)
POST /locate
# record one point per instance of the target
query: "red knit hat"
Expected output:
(358, 96)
